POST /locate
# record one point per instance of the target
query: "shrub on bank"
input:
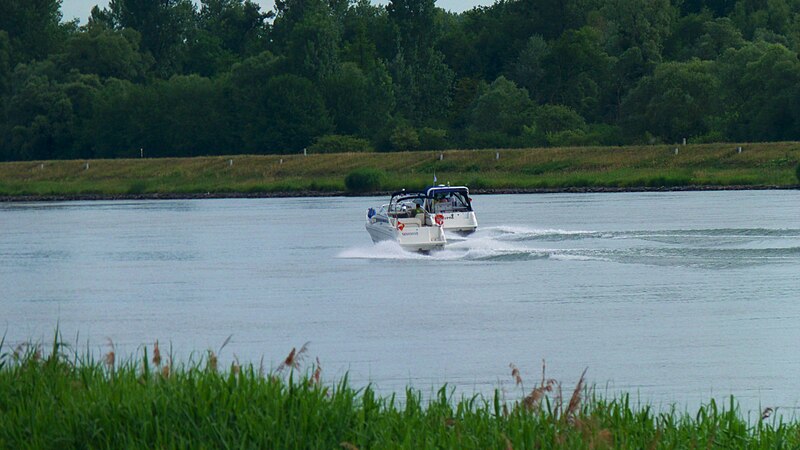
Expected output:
(364, 180)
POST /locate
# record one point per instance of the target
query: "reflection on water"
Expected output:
(672, 297)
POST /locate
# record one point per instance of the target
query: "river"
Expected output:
(675, 298)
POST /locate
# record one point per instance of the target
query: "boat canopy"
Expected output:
(431, 190)
(435, 199)
(448, 199)
(402, 196)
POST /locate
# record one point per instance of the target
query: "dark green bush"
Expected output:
(433, 139)
(558, 118)
(404, 138)
(797, 172)
(137, 187)
(364, 180)
(335, 143)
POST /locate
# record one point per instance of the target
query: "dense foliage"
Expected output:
(65, 400)
(176, 78)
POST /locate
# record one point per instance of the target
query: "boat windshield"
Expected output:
(450, 200)
(407, 205)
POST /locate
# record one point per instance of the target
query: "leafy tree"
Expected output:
(366, 35)
(502, 108)
(313, 45)
(359, 103)
(240, 25)
(422, 78)
(769, 15)
(465, 93)
(40, 115)
(176, 117)
(226, 32)
(423, 87)
(205, 55)
(405, 75)
(433, 138)
(308, 33)
(643, 24)
(579, 75)
(718, 36)
(106, 53)
(288, 118)
(115, 127)
(33, 27)
(530, 68)
(5, 63)
(404, 137)
(718, 7)
(82, 91)
(184, 117)
(677, 101)
(762, 88)
(491, 38)
(414, 22)
(163, 24)
(700, 36)
(680, 45)
(558, 118)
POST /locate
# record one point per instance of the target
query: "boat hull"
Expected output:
(413, 238)
(462, 223)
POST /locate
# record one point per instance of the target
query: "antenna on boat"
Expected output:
(434, 177)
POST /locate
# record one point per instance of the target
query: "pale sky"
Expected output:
(80, 9)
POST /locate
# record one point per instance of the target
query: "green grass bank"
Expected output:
(59, 399)
(639, 167)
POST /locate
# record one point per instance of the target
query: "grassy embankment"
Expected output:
(63, 400)
(769, 164)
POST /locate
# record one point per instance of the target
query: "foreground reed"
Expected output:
(59, 399)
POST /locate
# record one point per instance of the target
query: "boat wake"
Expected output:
(713, 248)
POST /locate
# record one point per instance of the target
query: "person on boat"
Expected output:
(442, 203)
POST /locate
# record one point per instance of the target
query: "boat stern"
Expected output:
(460, 222)
(421, 238)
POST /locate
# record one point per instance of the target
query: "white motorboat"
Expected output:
(454, 205)
(406, 221)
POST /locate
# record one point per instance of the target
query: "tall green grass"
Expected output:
(762, 164)
(61, 399)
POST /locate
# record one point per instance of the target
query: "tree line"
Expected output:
(175, 78)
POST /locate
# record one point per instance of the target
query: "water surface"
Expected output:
(672, 297)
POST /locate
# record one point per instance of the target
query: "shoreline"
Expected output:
(296, 194)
